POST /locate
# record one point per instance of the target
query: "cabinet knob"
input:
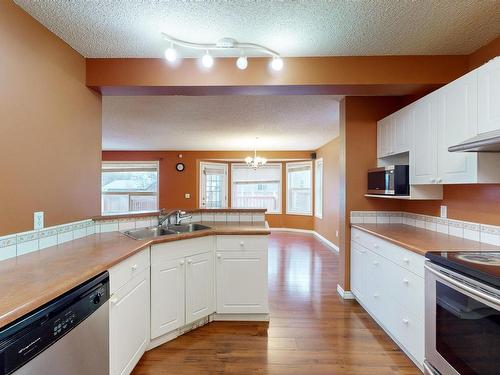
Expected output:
(439, 180)
(375, 246)
(406, 260)
(134, 267)
(182, 262)
(375, 295)
(375, 262)
(242, 243)
(113, 300)
(406, 281)
(406, 321)
(433, 180)
(190, 261)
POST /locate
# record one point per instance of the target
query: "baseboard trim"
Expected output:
(241, 317)
(344, 294)
(314, 233)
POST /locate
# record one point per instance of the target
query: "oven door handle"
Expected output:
(465, 287)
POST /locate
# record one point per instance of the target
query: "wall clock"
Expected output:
(180, 167)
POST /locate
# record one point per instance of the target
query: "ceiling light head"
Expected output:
(207, 60)
(242, 62)
(277, 64)
(171, 54)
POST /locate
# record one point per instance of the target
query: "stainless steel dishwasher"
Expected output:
(67, 336)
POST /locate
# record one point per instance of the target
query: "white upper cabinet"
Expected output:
(423, 158)
(457, 121)
(427, 128)
(393, 134)
(488, 79)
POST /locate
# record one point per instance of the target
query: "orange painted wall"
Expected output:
(50, 131)
(173, 184)
(328, 225)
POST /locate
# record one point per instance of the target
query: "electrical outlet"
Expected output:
(444, 212)
(38, 220)
(187, 196)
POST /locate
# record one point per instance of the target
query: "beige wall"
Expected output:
(328, 225)
(50, 127)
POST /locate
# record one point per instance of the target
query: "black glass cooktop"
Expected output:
(480, 265)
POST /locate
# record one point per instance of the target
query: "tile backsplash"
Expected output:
(489, 234)
(27, 242)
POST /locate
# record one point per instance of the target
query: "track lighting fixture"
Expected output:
(243, 50)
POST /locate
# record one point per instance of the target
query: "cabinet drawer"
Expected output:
(124, 271)
(239, 243)
(168, 251)
(409, 331)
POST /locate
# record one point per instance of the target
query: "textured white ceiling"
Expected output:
(218, 122)
(131, 28)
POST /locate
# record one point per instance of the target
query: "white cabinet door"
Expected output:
(167, 296)
(242, 282)
(423, 158)
(200, 298)
(129, 324)
(401, 130)
(457, 121)
(384, 137)
(488, 100)
(359, 259)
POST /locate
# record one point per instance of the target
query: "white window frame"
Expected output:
(318, 188)
(280, 189)
(288, 167)
(156, 162)
(201, 183)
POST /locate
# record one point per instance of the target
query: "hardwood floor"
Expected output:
(312, 330)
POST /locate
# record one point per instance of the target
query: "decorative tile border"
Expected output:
(489, 234)
(26, 242)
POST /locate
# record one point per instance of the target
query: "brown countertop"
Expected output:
(421, 240)
(29, 281)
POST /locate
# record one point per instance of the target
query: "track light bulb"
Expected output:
(242, 62)
(207, 60)
(171, 54)
(277, 64)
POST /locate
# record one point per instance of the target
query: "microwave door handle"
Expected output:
(465, 287)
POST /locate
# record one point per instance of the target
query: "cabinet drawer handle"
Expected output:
(406, 321)
(113, 300)
(406, 281)
(134, 267)
(190, 261)
(182, 262)
(219, 256)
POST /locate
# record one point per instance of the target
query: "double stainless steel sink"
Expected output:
(160, 231)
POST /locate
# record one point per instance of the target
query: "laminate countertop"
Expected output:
(31, 280)
(421, 240)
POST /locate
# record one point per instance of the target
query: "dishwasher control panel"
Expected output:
(33, 333)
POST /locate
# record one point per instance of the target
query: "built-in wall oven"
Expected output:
(389, 180)
(462, 313)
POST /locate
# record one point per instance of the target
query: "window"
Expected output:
(213, 186)
(257, 188)
(299, 188)
(128, 187)
(318, 189)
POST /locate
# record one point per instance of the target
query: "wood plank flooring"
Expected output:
(312, 330)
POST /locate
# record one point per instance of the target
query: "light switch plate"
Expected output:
(336, 233)
(444, 212)
(187, 195)
(38, 220)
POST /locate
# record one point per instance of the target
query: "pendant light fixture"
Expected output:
(243, 50)
(255, 161)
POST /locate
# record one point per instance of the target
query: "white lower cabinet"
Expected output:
(242, 282)
(200, 298)
(167, 296)
(388, 281)
(129, 323)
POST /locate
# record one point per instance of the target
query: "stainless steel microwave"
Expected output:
(389, 180)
